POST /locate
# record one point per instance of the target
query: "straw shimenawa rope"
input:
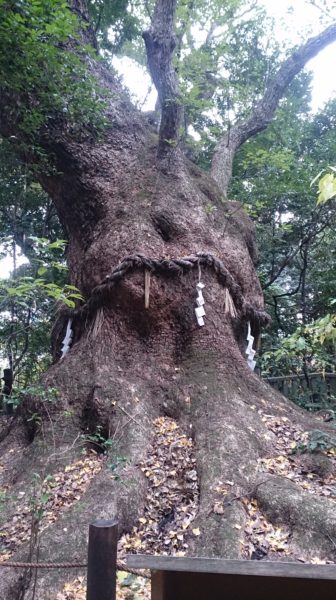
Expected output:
(175, 266)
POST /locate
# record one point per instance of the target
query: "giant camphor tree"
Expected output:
(144, 224)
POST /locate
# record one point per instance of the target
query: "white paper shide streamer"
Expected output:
(67, 339)
(249, 350)
(199, 310)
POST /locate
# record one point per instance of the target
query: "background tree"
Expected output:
(273, 175)
(30, 226)
(121, 190)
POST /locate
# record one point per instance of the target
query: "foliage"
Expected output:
(40, 496)
(24, 290)
(26, 211)
(318, 441)
(310, 347)
(26, 302)
(220, 78)
(114, 23)
(57, 88)
(99, 440)
(42, 394)
(272, 176)
(29, 225)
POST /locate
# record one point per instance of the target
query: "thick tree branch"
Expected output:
(160, 41)
(265, 109)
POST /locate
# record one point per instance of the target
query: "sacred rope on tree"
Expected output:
(135, 349)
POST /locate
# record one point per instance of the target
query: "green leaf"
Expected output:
(12, 291)
(327, 187)
(57, 244)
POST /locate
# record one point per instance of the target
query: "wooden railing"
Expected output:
(314, 388)
(177, 578)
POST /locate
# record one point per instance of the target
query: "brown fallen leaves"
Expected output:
(74, 590)
(288, 463)
(172, 498)
(129, 587)
(260, 537)
(172, 502)
(47, 499)
(314, 473)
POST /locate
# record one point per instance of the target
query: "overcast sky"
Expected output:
(297, 24)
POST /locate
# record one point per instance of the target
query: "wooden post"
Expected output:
(102, 560)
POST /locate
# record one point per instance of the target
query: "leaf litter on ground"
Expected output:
(171, 506)
(50, 497)
(172, 502)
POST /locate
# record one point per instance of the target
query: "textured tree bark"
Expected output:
(160, 41)
(129, 364)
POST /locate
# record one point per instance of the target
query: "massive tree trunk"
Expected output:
(129, 364)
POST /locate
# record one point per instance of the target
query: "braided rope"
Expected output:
(173, 266)
(51, 565)
(44, 565)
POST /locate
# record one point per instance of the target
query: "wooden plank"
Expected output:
(177, 585)
(233, 567)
